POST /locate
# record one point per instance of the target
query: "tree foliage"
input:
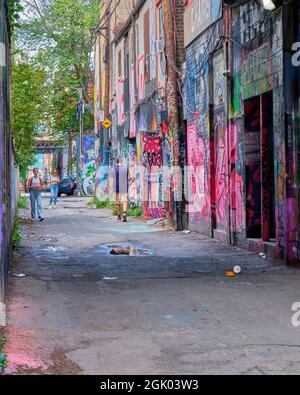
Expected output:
(28, 89)
(15, 8)
(56, 38)
(59, 34)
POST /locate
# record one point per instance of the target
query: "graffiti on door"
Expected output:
(152, 161)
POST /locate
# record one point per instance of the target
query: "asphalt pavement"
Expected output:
(166, 307)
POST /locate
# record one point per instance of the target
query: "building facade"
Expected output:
(241, 106)
(131, 90)
(229, 77)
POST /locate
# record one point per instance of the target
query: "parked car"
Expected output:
(67, 186)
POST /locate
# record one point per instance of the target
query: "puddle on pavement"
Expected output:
(53, 253)
(125, 250)
(132, 228)
(47, 239)
(52, 249)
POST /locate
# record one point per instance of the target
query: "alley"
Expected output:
(168, 310)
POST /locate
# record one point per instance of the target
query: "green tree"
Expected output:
(56, 36)
(28, 88)
(59, 35)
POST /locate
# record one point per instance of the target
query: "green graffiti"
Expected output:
(236, 99)
(256, 73)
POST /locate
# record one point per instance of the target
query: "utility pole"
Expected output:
(107, 71)
(99, 66)
(172, 99)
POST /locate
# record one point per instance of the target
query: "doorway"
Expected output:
(260, 175)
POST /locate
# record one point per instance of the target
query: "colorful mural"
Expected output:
(237, 201)
(198, 190)
(152, 161)
(133, 176)
(238, 135)
(88, 175)
(221, 170)
(242, 175)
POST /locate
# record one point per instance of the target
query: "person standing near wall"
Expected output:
(35, 186)
(54, 187)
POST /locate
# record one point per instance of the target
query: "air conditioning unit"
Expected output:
(159, 46)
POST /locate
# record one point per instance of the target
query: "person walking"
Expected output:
(54, 187)
(35, 187)
(121, 189)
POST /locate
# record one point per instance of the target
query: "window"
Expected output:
(120, 64)
(126, 58)
(161, 23)
(147, 45)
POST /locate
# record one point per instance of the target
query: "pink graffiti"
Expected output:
(221, 202)
(236, 183)
(152, 151)
(158, 212)
(141, 74)
(199, 206)
(120, 96)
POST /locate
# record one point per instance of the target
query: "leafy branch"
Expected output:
(15, 10)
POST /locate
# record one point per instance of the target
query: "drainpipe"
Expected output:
(228, 74)
(172, 98)
(297, 127)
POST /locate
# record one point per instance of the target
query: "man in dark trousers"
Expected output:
(121, 175)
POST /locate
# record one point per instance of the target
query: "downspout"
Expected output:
(228, 74)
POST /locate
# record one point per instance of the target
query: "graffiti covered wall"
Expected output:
(152, 162)
(8, 172)
(88, 176)
(242, 167)
(197, 113)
